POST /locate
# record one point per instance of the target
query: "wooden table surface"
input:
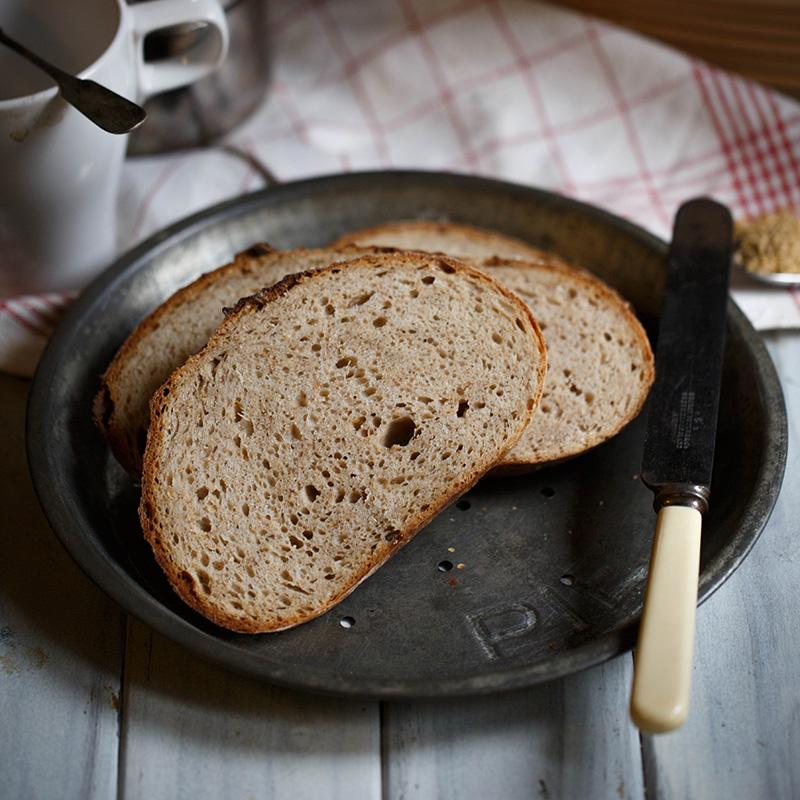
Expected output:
(93, 704)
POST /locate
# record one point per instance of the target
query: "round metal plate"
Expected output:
(548, 569)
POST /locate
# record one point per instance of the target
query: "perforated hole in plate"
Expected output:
(444, 566)
(347, 622)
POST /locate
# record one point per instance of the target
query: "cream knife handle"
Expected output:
(663, 664)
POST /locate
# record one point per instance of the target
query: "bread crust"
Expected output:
(106, 401)
(531, 258)
(481, 236)
(183, 583)
(519, 464)
(127, 445)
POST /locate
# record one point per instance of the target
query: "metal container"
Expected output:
(198, 114)
(547, 571)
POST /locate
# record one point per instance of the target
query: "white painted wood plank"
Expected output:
(566, 739)
(60, 645)
(742, 739)
(193, 730)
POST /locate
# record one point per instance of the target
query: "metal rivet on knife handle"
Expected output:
(678, 456)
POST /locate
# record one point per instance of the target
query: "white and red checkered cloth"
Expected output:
(506, 88)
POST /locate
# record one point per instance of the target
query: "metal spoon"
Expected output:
(772, 278)
(107, 109)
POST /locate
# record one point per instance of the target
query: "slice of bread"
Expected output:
(601, 364)
(328, 419)
(180, 327)
(454, 239)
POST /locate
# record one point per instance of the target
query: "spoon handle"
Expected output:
(53, 71)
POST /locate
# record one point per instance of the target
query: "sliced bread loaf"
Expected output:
(601, 364)
(600, 360)
(179, 328)
(327, 420)
(459, 241)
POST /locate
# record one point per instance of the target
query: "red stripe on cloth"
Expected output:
(381, 47)
(446, 96)
(772, 139)
(47, 316)
(298, 124)
(10, 308)
(698, 70)
(750, 192)
(788, 148)
(492, 146)
(630, 129)
(758, 147)
(331, 28)
(666, 190)
(534, 95)
(483, 80)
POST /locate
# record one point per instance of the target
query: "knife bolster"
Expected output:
(681, 494)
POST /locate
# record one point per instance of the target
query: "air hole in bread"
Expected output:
(379, 322)
(205, 524)
(346, 361)
(311, 492)
(449, 269)
(462, 408)
(296, 432)
(360, 299)
(205, 580)
(246, 509)
(414, 293)
(399, 432)
(497, 338)
(202, 493)
(428, 280)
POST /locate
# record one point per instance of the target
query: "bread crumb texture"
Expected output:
(179, 328)
(601, 363)
(327, 420)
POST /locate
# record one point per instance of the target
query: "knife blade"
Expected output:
(679, 455)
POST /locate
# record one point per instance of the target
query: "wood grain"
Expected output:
(758, 40)
(193, 730)
(60, 645)
(569, 738)
(742, 738)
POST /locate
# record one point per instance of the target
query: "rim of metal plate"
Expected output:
(110, 577)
